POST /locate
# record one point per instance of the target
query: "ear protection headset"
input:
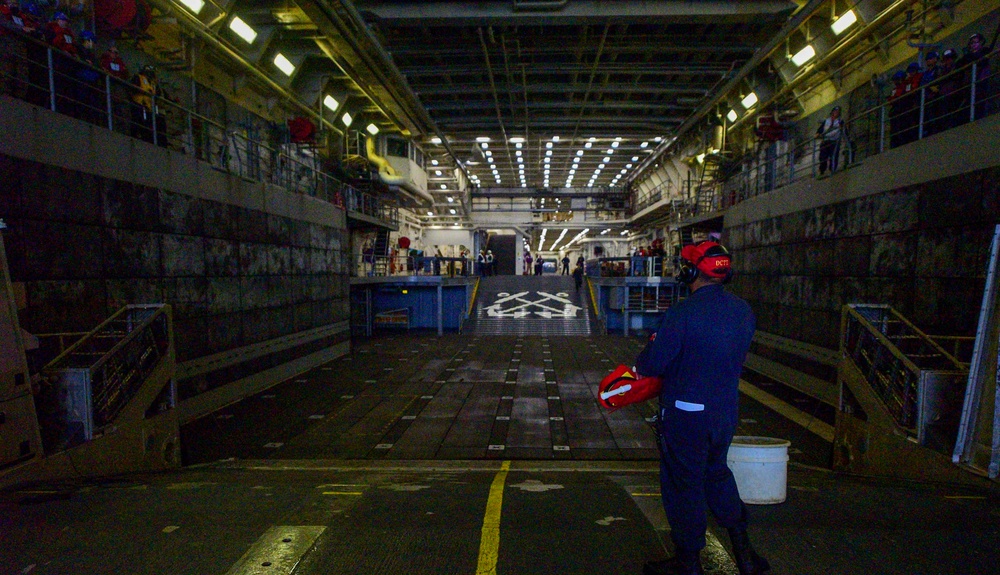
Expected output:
(707, 258)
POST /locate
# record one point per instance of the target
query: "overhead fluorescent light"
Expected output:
(283, 64)
(331, 102)
(732, 116)
(804, 55)
(483, 139)
(435, 140)
(372, 129)
(749, 100)
(347, 119)
(242, 29)
(844, 22)
(430, 213)
(555, 138)
(452, 211)
(194, 5)
(450, 199)
(548, 145)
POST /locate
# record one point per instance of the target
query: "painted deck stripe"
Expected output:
(489, 545)
(342, 493)
(278, 551)
(813, 424)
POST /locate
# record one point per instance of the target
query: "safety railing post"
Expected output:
(881, 129)
(190, 135)
(920, 121)
(972, 93)
(152, 116)
(52, 80)
(110, 106)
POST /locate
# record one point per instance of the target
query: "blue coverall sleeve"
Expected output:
(664, 348)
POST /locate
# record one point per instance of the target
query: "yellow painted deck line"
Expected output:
(475, 291)
(489, 545)
(593, 298)
(965, 497)
(342, 493)
(811, 423)
(644, 494)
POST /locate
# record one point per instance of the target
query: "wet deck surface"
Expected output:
(404, 455)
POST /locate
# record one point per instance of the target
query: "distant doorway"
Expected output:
(503, 254)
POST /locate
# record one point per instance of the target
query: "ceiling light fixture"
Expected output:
(372, 129)
(194, 5)
(347, 119)
(844, 22)
(284, 64)
(331, 103)
(242, 29)
(804, 55)
(732, 116)
(749, 100)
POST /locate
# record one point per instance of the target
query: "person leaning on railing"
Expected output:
(13, 56)
(976, 52)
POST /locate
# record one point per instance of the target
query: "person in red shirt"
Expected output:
(60, 35)
(112, 63)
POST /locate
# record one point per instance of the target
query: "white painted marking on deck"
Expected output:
(503, 418)
(273, 445)
(171, 528)
(426, 397)
(553, 397)
(278, 551)
(506, 397)
(560, 448)
(609, 520)
(555, 419)
(536, 486)
(317, 416)
(346, 397)
(408, 417)
(496, 447)
(384, 446)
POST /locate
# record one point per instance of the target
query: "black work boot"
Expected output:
(682, 563)
(747, 560)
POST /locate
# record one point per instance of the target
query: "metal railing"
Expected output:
(42, 75)
(899, 362)
(406, 265)
(89, 384)
(959, 97)
(634, 266)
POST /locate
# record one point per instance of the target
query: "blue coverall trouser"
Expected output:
(694, 474)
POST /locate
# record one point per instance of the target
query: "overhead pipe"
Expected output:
(196, 25)
(389, 176)
(398, 80)
(759, 56)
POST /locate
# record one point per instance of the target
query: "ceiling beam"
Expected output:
(577, 12)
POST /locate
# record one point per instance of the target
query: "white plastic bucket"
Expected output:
(760, 466)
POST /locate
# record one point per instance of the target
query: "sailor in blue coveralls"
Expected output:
(698, 353)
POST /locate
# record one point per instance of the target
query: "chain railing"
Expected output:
(47, 77)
